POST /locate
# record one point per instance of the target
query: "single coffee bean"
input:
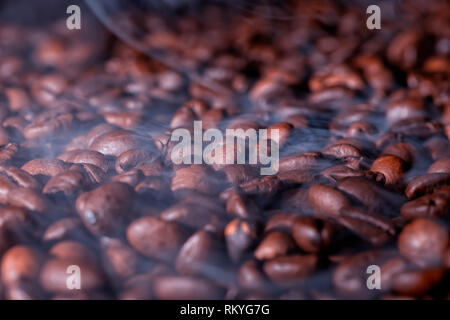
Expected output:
(426, 183)
(251, 277)
(240, 236)
(435, 205)
(20, 263)
(106, 209)
(290, 270)
(156, 238)
(313, 235)
(440, 166)
(373, 227)
(275, 244)
(424, 242)
(86, 156)
(196, 256)
(416, 282)
(326, 200)
(120, 258)
(392, 167)
(194, 177)
(115, 143)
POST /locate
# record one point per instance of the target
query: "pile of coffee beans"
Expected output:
(360, 205)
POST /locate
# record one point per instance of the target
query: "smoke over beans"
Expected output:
(354, 125)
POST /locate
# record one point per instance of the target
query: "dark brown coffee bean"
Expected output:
(190, 215)
(426, 183)
(368, 192)
(275, 244)
(45, 167)
(73, 251)
(290, 270)
(307, 161)
(63, 228)
(86, 156)
(440, 166)
(28, 199)
(373, 227)
(391, 167)
(69, 182)
(313, 235)
(326, 200)
(435, 205)
(265, 186)
(405, 109)
(120, 258)
(194, 177)
(181, 288)
(281, 222)
(240, 236)
(20, 263)
(132, 158)
(197, 254)
(156, 238)
(93, 173)
(416, 282)
(106, 209)
(424, 242)
(403, 150)
(115, 143)
(48, 124)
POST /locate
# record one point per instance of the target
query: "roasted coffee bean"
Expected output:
(20, 264)
(251, 277)
(156, 238)
(392, 167)
(275, 244)
(241, 236)
(194, 177)
(106, 209)
(115, 143)
(290, 270)
(281, 222)
(416, 282)
(131, 158)
(198, 254)
(426, 183)
(190, 215)
(435, 205)
(28, 199)
(368, 192)
(326, 200)
(45, 167)
(182, 288)
(122, 260)
(373, 227)
(86, 156)
(63, 228)
(424, 242)
(69, 182)
(440, 166)
(313, 235)
(48, 124)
